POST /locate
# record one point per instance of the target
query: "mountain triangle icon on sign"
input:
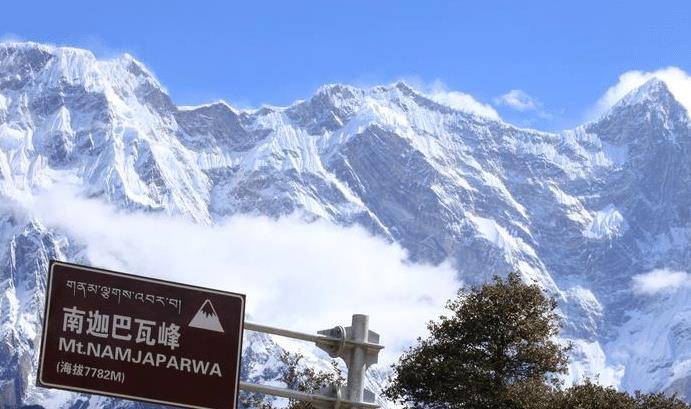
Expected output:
(206, 318)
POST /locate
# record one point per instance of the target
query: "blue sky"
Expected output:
(563, 56)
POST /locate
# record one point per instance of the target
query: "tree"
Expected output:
(589, 395)
(306, 379)
(532, 394)
(299, 378)
(498, 338)
(496, 350)
(659, 401)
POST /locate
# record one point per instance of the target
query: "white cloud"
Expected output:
(676, 79)
(518, 100)
(297, 275)
(439, 93)
(464, 102)
(660, 280)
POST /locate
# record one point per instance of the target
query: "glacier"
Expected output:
(579, 212)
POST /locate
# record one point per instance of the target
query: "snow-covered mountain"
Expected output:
(580, 212)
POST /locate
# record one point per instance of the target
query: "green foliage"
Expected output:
(531, 394)
(497, 350)
(498, 335)
(305, 379)
(659, 401)
(589, 395)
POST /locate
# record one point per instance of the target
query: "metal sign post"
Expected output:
(356, 345)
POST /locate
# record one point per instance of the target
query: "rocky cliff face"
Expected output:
(579, 212)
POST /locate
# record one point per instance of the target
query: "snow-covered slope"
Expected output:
(579, 212)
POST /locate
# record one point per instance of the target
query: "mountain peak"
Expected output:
(403, 86)
(10, 47)
(647, 114)
(219, 104)
(15, 45)
(52, 64)
(651, 91)
(335, 88)
(653, 95)
(138, 69)
(338, 93)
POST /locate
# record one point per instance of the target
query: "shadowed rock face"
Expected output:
(579, 212)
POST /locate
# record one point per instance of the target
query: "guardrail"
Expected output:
(356, 345)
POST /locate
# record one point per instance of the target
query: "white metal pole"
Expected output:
(356, 345)
(356, 367)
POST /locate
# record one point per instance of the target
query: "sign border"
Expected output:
(46, 310)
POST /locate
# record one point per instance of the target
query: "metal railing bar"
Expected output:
(307, 337)
(302, 396)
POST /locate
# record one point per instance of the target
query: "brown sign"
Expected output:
(138, 338)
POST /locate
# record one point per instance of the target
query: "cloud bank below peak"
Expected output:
(297, 275)
(660, 281)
